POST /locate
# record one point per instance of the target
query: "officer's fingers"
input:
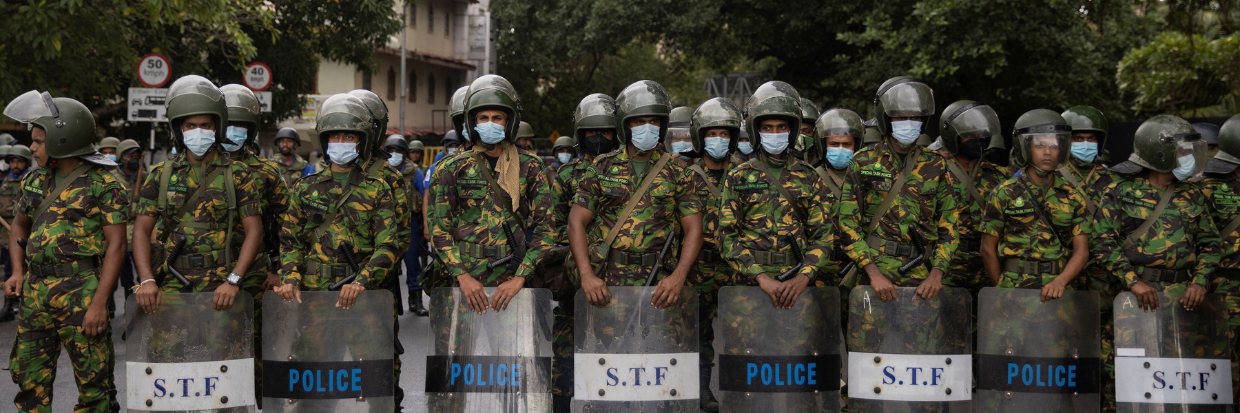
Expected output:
(297, 294)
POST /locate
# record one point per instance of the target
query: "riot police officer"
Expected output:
(19, 159)
(398, 149)
(805, 147)
(838, 132)
(677, 139)
(525, 136)
(294, 167)
(1222, 191)
(967, 127)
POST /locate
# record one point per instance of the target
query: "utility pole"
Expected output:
(404, 77)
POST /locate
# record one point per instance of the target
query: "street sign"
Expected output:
(257, 76)
(149, 104)
(264, 101)
(154, 70)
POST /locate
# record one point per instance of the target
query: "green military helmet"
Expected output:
(493, 92)
(641, 99)
(195, 95)
(1229, 140)
(243, 108)
(456, 108)
(7, 139)
(596, 111)
(345, 113)
(996, 142)
(774, 99)
(378, 113)
(967, 118)
(128, 145)
(1042, 128)
(68, 125)
(1087, 119)
(872, 134)
(716, 113)
(809, 112)
(396, 141)
(839, 122)
(109, 142)
(417, 146)
(525, 130)
(4, 151)
(902, 96)
(20, 151)
(565, 142)
(1163, 139)
(677, 125)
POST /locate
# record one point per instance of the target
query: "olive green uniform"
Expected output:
(1031, 250)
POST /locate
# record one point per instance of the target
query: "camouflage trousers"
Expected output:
(253, 283)
(562, 349)
(1096, 278)
(51, 315)
(706, 279)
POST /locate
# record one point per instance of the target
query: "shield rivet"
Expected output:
(1214, 396)
(223, 369)
(291, 401)
(673, 392)
(877, 390)
(601, 361)
(949, 391)
(290, 358)
(149, 403)
(815, 354)
(1147, 364)
(1007, 394)
(1147, 395)
(1008, 352)
(748, 395)
(673, 363)
(224, 400)
(361, 399)
(601, 392)
(949, 360)
(748, 351)
(148, 370)
(878, 359)
(1213, 366)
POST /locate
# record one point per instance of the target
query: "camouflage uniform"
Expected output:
(926, 203)
(201, 228)
(53, 307)
(567, 179)
(712, 270)
(273, 201)
(292, 172)
(1222, 192)
(1012, 216)
(967, 269)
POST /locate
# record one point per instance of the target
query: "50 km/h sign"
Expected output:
(154, 70)
(257, 76)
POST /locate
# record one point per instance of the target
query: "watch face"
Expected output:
(233, 278)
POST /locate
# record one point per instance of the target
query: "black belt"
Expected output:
(1153, 274)
(1032, 267)
(632, 258)
(969, 245)
(482, 251)
(710, 256)
(210, 259)
(335, 272)
(64, 269)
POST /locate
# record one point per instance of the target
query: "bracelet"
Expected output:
(136, 287)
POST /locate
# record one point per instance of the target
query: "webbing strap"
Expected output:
(1149, 222)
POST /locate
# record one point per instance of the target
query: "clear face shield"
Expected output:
(908, 99)
(1192, 147)
(32, 105)
(975, 121)
(1047, 151)
(678, 138)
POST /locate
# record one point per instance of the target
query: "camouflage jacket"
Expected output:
(711, 204)
(1093, 181)
(465, 210)
(985, 178)
(1183, 237)
(71, 228)
(211, 209)
(1012, 216)
(10, 191)
(291, 172)
(567, 179)
(273, 201)
(606, 187)
(754, 217)
(926, 203)
(409, 174)
(365, 219)
(1222, 194)
(400, 192)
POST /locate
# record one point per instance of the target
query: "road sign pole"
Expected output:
(404, 76)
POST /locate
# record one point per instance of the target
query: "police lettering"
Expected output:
(1032, 375)
(614, 376)
(312, 380)
(1186, 377)
(890, 372)
(162, 389)
(793, 374)
(486, 374)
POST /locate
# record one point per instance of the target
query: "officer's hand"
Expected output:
(348, 295)
(792, 289)
(931, 286)
(272, 281)
(883, 287)
(223, 298)
(505, 292)
(96, 319)
(474, 295)
(289, 292)
(1147, 298)
(596, 290)
(771, 287)
(149, 297)
(1193, 296)
(667, 293)
(1052, 291)
(13, 286)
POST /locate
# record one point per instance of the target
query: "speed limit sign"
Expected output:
(257, 76)
(154, 70)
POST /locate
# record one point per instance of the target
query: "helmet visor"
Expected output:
(1053, 144)
(30, 106)
(198, 86)
(908, 99)
(677, 134)
(1197, 149)
(976, 122)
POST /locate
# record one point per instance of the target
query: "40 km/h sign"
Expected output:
(257, 76)
(154, 70)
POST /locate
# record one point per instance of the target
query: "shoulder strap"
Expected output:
(965, 179)
(1149, 222)
(895, 190)
(1231, 226)
(829, 179)
(714, 190)
(503, 196)
(634, 198)
(335, 208)
(1089, 202)
(60, 187)
(1036, 199)
(783, 192)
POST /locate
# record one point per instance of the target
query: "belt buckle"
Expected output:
(490, 252)
(904, 251)
(1045, 267)
(196, 261)
(338, 272)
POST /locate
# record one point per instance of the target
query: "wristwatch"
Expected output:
(233, 278)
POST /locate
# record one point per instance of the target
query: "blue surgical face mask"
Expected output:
(717, 147)
(111, 157)
(1085, 151)
(235, 137)
(645, 137)
(395, 159)
(906, 131)
(839, 158)
(744, 147)
(451, 150)
(199, 141)
(564, 157)
(342, 153)
(678, 147)
(490, 133)
(1185, 170)
(174, 151)
(774, 143)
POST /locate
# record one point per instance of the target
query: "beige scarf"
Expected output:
(507, 170)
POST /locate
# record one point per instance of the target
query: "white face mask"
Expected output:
(906, 131)
(395, 159)
(774, 143)
(564, 157)
(645, 137)
(199, 141)
(342, 153)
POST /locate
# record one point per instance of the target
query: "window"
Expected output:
(447, 23)
(391, 86)
(413, 87)
(430, 19)
(413, 15)
(447, 87)
(430, 90)
(366, 79)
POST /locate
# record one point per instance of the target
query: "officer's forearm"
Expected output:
(578, 218)
(253, 226)
(17, 254)
(142, 246)
(990, 257)
(1080, 255)
(113, 258)
(692, 243)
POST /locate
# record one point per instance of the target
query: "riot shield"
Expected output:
(318, 358)
(633, 357)
(187, 356)
(1171, 359)
(492, 362)
(909, 354)
(775, 360)
(1037, 357)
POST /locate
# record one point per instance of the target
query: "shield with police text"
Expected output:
(188, 357)
(1172, 359)
(1035, 356)
(781, 360)
(910, 354)
(631, 356)
(498, 361)
(321, 358)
